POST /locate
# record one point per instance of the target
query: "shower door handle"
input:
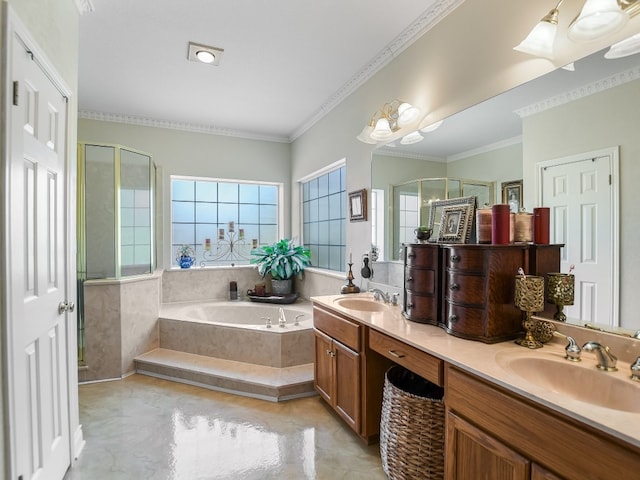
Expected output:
(66, 307)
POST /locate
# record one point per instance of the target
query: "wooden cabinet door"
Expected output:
(539, 473)
(471, 454)
(347, 378)
(323, 366)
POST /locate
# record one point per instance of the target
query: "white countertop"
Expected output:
(485, 360)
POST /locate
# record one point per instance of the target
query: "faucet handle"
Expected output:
(572, 350)
(635, 370)
(394, 298)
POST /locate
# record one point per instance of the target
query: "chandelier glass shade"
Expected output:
(389, 121)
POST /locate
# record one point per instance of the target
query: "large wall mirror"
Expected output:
(496, 141)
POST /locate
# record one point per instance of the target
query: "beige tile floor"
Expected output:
(147, 428)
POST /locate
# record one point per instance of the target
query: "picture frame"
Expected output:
(463, 224)
(512, 195)
(454, 224)
(358, 205)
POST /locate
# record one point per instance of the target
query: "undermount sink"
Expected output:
(361, 304)
(579, 381)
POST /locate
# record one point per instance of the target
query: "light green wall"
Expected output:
(176, 152)
(603, 120)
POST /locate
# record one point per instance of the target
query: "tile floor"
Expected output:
(147, 428)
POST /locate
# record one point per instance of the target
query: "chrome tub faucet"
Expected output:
(606, 360)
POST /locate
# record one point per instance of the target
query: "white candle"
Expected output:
(350, 256)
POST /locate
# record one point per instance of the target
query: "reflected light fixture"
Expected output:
(432, 127)
(629, 46)
(540, 40)
(411, 138)
(389, 120)
(204, 54)
(597, 19)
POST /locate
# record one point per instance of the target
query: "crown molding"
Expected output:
(174, 125)
(391, 152)
(84, 6)
(580, 92)
(507, 142)
(413, 32)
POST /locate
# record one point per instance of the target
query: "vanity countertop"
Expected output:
(484, 360)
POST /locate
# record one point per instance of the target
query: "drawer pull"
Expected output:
(409, 279)
(453, 318)
(454, 286)
(411, 255)
(455, 258)
(410, 305)
(329, 352)
(393, 353)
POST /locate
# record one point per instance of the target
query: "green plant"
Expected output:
(282, 260)
(185, 250)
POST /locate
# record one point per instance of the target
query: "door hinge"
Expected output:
(610, 179)
(16, 94)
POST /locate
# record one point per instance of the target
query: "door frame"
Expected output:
(12, 30)
(614, 180)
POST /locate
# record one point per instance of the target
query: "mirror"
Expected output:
(485, 142)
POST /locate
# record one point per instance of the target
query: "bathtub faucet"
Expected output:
(282, 320)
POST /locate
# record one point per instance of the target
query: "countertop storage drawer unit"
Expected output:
(421, 283)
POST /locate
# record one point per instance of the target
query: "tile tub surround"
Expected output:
(480, 359)
(182, 328)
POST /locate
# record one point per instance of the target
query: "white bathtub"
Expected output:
(238, 331)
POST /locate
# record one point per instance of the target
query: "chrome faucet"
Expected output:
(606, 360)
(635, 370)
(380, 295)
(572, 350)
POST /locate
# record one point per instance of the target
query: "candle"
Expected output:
(254, 243)
(350, 256)
(241, 234)
(221, 234)
(207, 244)
(231, 227)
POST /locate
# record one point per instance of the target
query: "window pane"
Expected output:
(227, 212)
(269, 194)
(249, 213)
(228, 192)
(268, 214)
(182, 212)
(334, 182)
(182, 233)
(323, 185)
(182, 189)
(206, 213)
(249, 193)
(206, 191)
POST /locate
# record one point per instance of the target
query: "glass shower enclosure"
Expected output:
(116, 198)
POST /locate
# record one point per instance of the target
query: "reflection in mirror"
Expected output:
(486, 142)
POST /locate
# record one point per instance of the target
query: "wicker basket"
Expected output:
(411, 427)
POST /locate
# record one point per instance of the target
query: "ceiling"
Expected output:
(286, 63)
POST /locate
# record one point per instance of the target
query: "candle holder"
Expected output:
(349, 287)
(560, 291)
(529, 297)
(230, 247)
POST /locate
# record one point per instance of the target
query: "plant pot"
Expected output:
(185, 261)
(281, 287)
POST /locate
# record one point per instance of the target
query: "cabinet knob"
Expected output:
(454, 286)
(453, 318)
(455, 258)
(410, 306)
(329, 352)
(411, 255)
(409, 279)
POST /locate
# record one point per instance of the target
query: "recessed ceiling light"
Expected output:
(204, 54)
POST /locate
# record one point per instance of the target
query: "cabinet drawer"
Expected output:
(338, 327)
(464, 321)
(461, 258)
(469, 289)
(425, 365)
(420, 308)
(421, 256)
(420, 280)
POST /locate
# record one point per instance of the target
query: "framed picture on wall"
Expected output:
(358, 205)
(512, 194)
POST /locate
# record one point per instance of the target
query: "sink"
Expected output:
(579, 381)
(361, 304)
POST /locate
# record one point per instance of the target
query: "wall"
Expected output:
(582, 126)
(177, 152)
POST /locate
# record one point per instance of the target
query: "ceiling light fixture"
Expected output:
(411, 138)
(390, 120)
(204, 54)
(432, 127)
(629, 46)
(597, 19)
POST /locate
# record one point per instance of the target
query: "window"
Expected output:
(223, 220)
(323, 218)
(377, 221)
(408, 217)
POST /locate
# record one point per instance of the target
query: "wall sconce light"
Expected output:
(597, 19)
(389, 120)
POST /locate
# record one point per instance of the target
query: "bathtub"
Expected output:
(238, 331)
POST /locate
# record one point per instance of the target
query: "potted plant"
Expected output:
(185, 256)
(282, 261)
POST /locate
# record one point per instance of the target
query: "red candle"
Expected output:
(500, 224)
(541, 225)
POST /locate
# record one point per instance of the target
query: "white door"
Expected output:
(36, 271)
(580, 195)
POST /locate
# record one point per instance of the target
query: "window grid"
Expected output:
(408, 216)
(222, 221)
(323, 219)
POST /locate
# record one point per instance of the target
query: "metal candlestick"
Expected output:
(350, 287)
(529, 297)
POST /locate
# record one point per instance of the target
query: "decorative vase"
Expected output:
(281, 287)
(185, 261)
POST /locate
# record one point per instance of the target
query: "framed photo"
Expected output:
(451, 221)
(358, 205)
(512, 194)
(454, 224)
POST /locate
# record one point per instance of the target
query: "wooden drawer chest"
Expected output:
(421, 283)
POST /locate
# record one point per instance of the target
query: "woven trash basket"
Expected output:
(411, 427)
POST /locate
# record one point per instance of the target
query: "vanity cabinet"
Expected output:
(421, 283)
(494, 433)
(347, 374)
